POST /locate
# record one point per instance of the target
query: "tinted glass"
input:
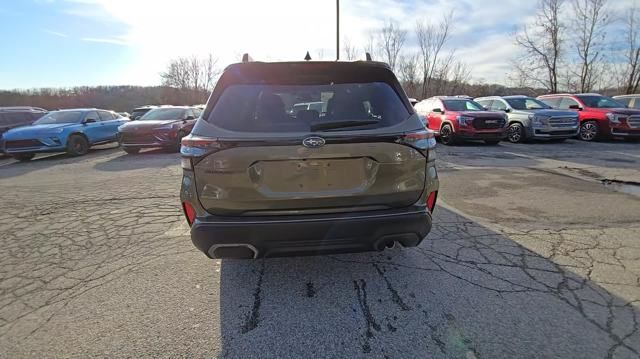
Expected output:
(273, 108)
(164, 114)
(60, 117)
(567, 102)
(485, 103)
(636, 103)
(526, 104)
(462, 105)
(105, 116)
(138, 113)
(552, 101)
(599, 101)
(498, 105)
(14, 118)
(625, 101)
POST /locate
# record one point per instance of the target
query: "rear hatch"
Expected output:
(265, 156)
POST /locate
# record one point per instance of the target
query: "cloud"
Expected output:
(105, 40)
(56, 33)
(157, 31)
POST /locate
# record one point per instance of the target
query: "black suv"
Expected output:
(11, 117)
(357, 175)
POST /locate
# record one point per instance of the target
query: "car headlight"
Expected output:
(464, 121)
(539, 120)
(613, 118)
(167, 127)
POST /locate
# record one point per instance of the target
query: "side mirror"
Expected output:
(575, 107)
(438, 110)
(507, 110)
(90, 120)
(189, 118)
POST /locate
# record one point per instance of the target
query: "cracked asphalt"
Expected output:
(533, 254)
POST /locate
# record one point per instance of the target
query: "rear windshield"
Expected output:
(304, 108)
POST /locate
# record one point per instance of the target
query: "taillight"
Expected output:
(189, 212)
(423, 140)
(195, 147)
(431, 200)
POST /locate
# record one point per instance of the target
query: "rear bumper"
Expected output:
(256, 237)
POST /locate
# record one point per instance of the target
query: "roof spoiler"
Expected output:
(246, 58)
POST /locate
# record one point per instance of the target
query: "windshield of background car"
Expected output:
(526, 104)
(164, 114)
(276, 108)
(462, 105)
(60, 117)
(600, 102)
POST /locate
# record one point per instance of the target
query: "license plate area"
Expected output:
(309, 176)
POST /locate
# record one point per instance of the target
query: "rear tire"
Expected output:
(77, 145)
(131, 150)
(492, 142)
(589, 131)
(515, 133)
(23, 157)
(447, 137)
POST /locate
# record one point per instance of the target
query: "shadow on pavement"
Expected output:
(12, 168)
(151, 158)
(465, 292)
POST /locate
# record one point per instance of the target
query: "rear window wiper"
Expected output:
(332, 125)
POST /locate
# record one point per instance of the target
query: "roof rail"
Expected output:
(246, 58)
(368, 56)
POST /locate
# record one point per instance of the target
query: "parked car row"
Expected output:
(521, 118)
(27, 131)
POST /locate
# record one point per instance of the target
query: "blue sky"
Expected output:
(54, 43)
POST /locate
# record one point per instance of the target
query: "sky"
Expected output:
(63, 43)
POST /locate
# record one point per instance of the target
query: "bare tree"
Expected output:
(542, 45)
(431, 40)
(408, 73)
(191, 73)
(351, 52)
(631, 72)
(589, 26)
(390, 42)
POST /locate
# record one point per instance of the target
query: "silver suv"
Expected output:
(533, 119)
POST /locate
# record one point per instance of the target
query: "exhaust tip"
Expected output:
(233, 251)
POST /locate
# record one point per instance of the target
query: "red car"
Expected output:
(601, 117)
(160, 127)
(458, 118)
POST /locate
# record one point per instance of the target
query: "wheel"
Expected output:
(77, 145)
(515, 133)
(23, 157)
(447, 137)
(492, 142)
(588, 131)
(131, 150)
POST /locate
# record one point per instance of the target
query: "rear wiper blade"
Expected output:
(341, 124)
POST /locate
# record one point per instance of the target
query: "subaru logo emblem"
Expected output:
(313, 142)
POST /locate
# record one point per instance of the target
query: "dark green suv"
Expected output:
(354, 174)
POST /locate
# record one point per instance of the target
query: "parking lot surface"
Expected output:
(535, 252)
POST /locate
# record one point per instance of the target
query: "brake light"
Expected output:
(189, 212)
(431, 200)
(194, 147)
(422, 140)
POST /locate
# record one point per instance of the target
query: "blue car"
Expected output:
(72, 131)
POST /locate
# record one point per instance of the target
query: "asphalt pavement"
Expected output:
(535, 253)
